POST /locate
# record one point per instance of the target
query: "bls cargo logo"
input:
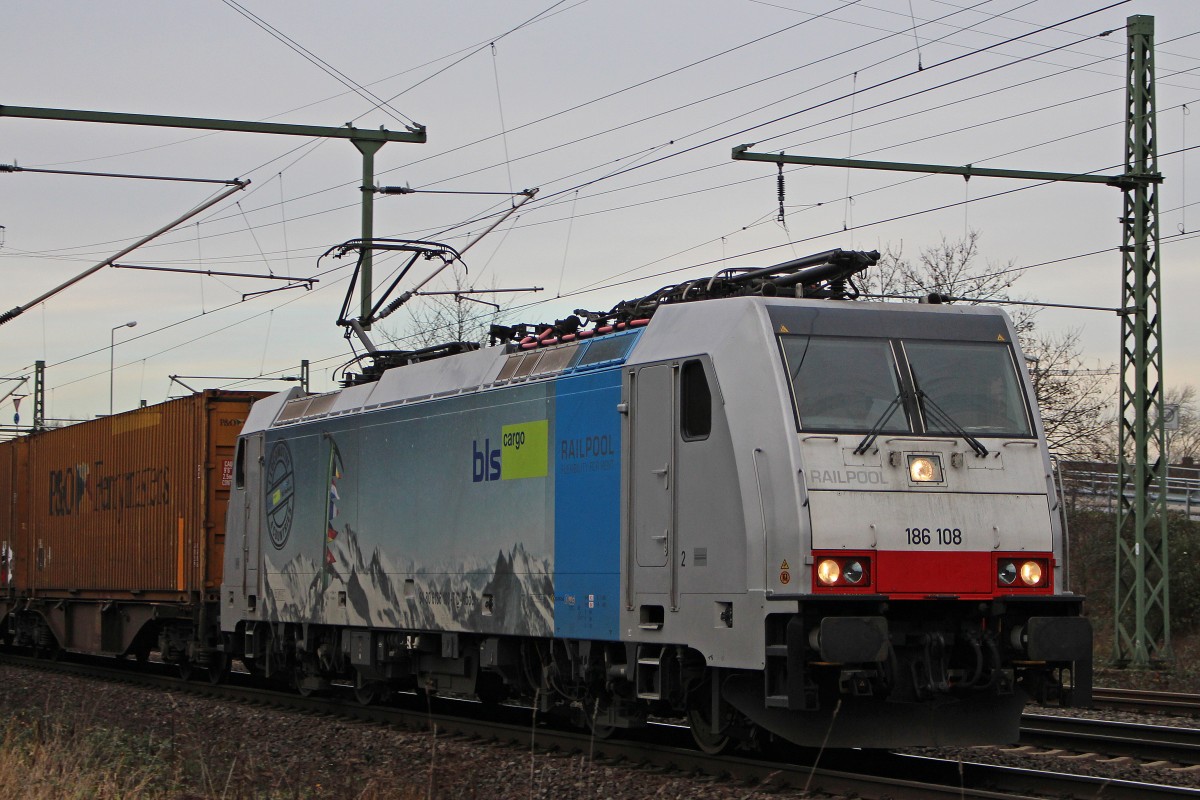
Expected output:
(523, 453)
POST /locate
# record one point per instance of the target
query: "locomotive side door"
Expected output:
(251, 512)
(652, 479)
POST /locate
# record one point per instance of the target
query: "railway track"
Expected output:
(1146, 700)
(1133, 740)
(667, 747)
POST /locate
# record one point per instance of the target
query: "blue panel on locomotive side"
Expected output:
(587, 506)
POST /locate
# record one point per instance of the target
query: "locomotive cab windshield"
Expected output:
(905, 386)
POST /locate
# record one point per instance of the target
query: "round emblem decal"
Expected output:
(281, 499)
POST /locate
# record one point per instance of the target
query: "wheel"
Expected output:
(596, 715)
(218, 667)
(185, 669)
(701, 723)
(48, 651)
(490, 689)
(601, 730)
(367, 692)
(302, 688)
(51, 652)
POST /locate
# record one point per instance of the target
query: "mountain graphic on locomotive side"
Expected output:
(742, 500)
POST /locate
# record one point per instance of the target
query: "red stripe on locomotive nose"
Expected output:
(933, 572)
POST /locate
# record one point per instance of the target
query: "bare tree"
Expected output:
(464, 315)
(950, 268)
(1075, 401)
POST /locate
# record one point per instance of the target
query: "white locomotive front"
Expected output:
(897, 540)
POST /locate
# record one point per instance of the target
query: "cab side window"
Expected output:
(239, 465)
(695, 402)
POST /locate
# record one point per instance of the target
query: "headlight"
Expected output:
(1031, 573)
(843, 572)
(925, 469)
(828, 572)
(1026, 574)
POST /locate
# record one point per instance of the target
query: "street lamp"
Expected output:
(112, 343)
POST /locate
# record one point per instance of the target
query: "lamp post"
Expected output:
(112, 343)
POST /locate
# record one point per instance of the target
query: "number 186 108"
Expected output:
(941, 536)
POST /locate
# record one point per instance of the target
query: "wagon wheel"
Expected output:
(48, 652)
(218, 667)
(185, 668)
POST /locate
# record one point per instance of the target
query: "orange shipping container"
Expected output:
(127, 506)
(13, 498)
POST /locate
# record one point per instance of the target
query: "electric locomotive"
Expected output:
(774, 512)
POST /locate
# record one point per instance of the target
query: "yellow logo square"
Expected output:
(525, 450)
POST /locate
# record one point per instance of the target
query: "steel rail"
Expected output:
(1147, 700)
(1137, 740)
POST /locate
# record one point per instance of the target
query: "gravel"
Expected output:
(237, 750)
(223, 749)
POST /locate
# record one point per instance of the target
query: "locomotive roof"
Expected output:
(678, 330)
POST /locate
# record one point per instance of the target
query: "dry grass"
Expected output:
(52, 757)
(42, 759)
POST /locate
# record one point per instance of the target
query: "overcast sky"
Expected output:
(623, 115)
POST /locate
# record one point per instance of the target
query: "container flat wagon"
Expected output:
(113, 530)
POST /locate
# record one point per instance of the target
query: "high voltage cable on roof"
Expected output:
(1166, 240)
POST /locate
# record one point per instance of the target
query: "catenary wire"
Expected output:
(301, 197)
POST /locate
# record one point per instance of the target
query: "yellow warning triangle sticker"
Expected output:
(783, 329)
(784, 565)
(1000, 337)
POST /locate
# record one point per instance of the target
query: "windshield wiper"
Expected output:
(937, 414)
(877, 428)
